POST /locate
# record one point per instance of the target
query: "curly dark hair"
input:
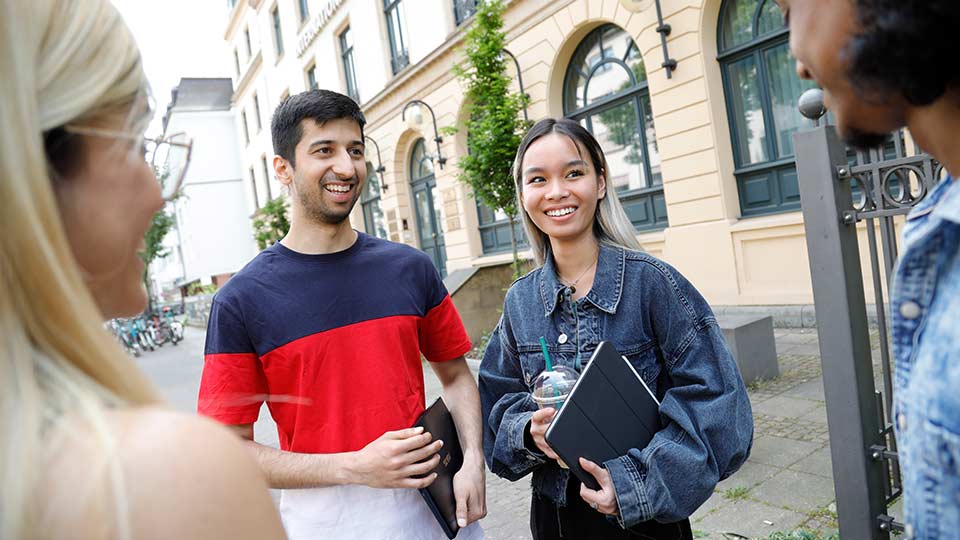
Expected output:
(906, 48)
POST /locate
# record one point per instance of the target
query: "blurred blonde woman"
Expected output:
(86, 450)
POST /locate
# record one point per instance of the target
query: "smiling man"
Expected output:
(883, 65)
(314, 326)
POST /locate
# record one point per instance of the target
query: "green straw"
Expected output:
(546, 355)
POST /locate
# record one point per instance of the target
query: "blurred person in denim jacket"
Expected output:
(885, 65)
(595, 284)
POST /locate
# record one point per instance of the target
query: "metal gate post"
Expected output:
(838, 292)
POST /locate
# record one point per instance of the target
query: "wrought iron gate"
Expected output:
(843, 192)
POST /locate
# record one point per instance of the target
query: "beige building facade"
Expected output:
(701, 157)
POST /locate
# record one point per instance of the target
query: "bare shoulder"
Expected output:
(179, 476)
(188, 477)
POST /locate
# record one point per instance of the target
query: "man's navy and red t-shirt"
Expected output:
(331, 342)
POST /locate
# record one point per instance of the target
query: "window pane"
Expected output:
(371, 190)
(398, 29)
(747, 111)
(738, 22)
(617, 131)
(373, 218)
(785, 89)
(653, 153)
(424, 223)
(616, 42)
(771, 18)
(607, 81)
(635, 61)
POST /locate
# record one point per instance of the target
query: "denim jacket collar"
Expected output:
(607, 281)
(948, 207)
(943, 202)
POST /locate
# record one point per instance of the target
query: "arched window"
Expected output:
(605, 89)
(373, 221)
(427, 206)
(762, 89)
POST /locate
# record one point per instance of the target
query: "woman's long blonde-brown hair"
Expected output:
(60, 62)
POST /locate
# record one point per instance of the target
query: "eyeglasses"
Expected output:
(168, 155)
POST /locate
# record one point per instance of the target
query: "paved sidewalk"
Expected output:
(786, 484)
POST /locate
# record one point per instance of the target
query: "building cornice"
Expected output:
(253, 69)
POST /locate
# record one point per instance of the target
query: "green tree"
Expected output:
(271, 223)
(160, 225)
(494, 127)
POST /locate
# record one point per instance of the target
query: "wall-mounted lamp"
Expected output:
(380, 168)
(526, 96)
(417, 120)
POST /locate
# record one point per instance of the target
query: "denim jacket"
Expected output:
(667, 331)
(925, 302)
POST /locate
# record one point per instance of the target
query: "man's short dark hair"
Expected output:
(317, 105)
(906, 48)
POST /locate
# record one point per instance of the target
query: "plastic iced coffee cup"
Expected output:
(551, 388)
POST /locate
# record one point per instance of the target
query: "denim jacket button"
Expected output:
(910, 310)
(562, 339)
(902, 422)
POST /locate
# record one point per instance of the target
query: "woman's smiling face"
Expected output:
(560, 187)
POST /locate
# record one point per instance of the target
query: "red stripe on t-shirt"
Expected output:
(442, 335)
(342, 388)
(232, 388)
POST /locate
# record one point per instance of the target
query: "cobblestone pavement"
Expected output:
(786, 483)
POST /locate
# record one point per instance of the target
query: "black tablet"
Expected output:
(609, 411)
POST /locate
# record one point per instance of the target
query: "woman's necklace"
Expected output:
(571, 286)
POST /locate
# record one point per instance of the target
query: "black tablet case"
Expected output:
(609, 411)
(439, 495)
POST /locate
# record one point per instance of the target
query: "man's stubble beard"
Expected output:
(863, 140)
(316, 211)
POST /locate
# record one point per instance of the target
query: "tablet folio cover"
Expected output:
(439, 495)
(609, 411)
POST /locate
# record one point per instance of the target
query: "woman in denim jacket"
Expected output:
(594, 284)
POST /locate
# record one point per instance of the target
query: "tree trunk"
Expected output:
(513, 246)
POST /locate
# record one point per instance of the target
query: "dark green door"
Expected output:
(425, 201)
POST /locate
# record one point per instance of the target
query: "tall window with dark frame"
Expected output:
(303, 10)
(236, 62)
(253, 184)
(605, 89)
(246, 127)
(463, 9)
(761, 88)
(266, 176)
(256, 111)
(349, 72)
(246, 41)
(312, 78)
(277, 31)
(393, 12)
(373, 220)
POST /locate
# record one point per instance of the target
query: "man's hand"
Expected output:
(605, 500)
(469, 488)
(394, 458)
(538, 429)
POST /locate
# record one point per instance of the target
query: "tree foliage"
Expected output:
(271, 223)
(494, 127)
(154, 249)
